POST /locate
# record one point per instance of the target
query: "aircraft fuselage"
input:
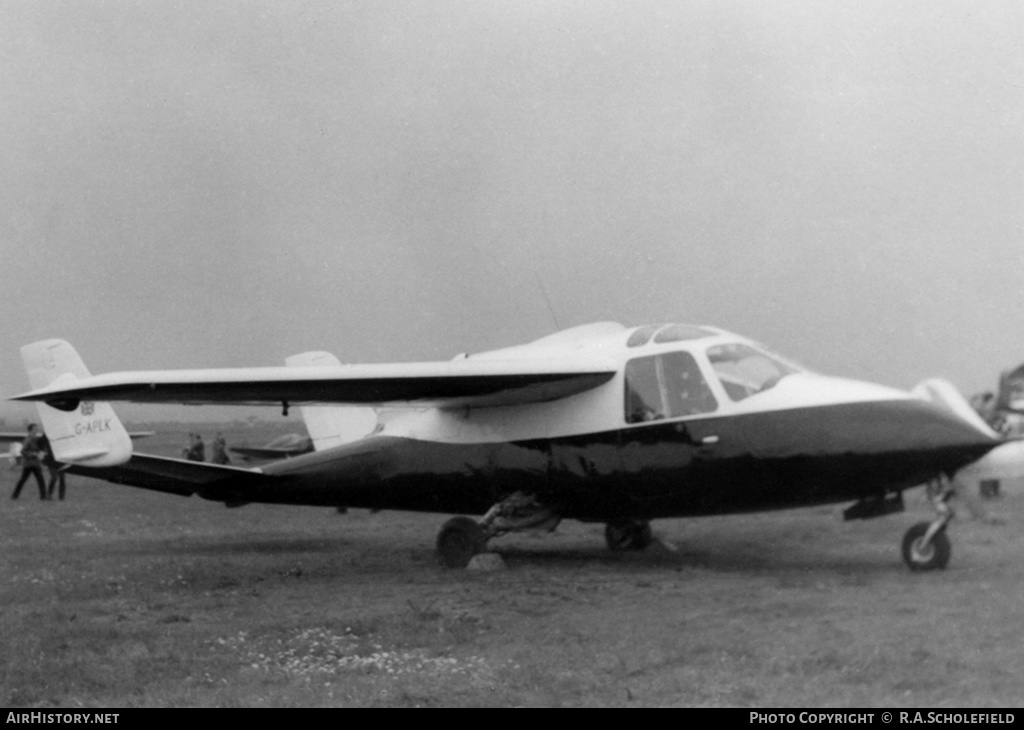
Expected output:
(702, 466)
(695, 421)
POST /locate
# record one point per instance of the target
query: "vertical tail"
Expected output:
(331, 426)
(85, 432)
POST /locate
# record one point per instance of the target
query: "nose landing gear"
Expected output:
(926, 545)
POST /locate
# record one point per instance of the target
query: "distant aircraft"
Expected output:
(14, 439)
(598, 423)
(13, 450)
(1004, 409)
(283, 447)
(1011, 390)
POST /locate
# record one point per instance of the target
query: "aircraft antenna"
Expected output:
(544, 293)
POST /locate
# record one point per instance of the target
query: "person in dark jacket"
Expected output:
(196, 450)
(54, 468)
(31, 463)
(220, 450)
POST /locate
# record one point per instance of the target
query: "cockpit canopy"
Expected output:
(692, 380)
(667, 333)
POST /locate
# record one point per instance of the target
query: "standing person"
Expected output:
(197, 450)
(220, 450)
(53, 467)
(30, 463)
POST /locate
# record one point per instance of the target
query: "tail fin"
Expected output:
(331, 426)
(88, 433)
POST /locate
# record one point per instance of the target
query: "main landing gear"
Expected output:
(926, 545)
(461, 538)
(635, 535)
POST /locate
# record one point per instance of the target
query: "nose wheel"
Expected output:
(926, 544)
(921, 552)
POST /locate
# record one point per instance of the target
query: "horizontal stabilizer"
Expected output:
(10, 437)
(81, 455)
(176, 476)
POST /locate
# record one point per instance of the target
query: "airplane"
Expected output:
(16, 437)
(13, 450)
(1003, 409)
(14, 440)
(283, 447)
(598, 423)
(1010, 395)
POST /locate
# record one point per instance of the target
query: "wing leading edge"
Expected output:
(454, 384)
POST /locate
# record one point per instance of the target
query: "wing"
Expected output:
(458, 383)
(178, 476)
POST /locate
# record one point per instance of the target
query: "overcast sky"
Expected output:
(206, 184)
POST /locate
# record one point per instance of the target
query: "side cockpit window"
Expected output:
(666, 386)
(643, 392)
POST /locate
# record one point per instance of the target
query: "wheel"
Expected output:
(458, 541)
(618, 536)
(642, 535)
(933, 557)
(628, 535)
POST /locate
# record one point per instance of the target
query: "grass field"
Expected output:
(120, 597)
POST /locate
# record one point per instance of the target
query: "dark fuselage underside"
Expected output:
(704, 466)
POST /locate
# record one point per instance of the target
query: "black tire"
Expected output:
(458, 541)
(621, 536)
(642, 536)
(618, 536)
(935, 557)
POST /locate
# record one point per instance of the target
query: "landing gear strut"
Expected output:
(463, 537)
(926, 545)
(634, 535)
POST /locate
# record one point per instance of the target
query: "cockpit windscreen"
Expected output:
(745, 371)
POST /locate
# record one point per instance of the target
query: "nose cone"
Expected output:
(926, 428)
(831, 440)
(907, 427)
(844, 451)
